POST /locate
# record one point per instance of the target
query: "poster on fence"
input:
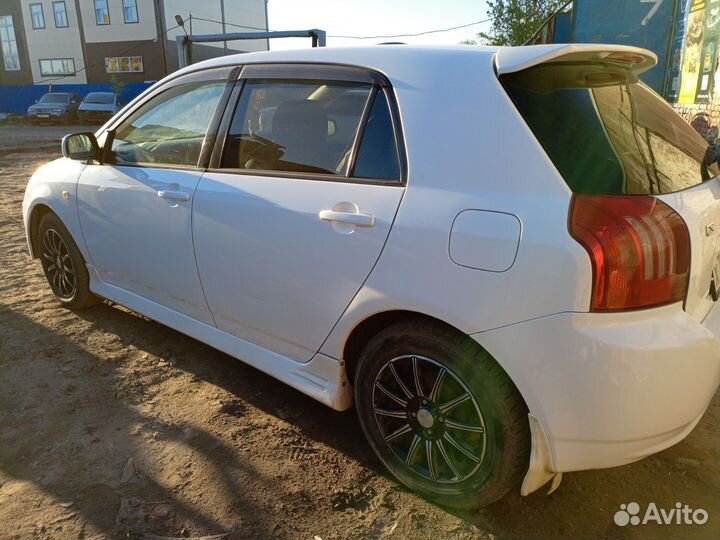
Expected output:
(700, 52)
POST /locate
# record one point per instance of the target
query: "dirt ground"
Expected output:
(113, 426)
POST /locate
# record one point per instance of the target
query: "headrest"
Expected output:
(300, 117)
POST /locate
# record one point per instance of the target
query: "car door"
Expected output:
(135, 208)
(294, 212)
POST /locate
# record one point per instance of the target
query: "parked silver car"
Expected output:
(54, 107)
(100, 106)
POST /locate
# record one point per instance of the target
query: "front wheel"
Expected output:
(441, 414)
(63, 264)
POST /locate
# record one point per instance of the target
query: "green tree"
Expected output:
(515, 21)
(117, 85)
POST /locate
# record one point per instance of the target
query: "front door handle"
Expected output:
(351, 218)
(173, 195)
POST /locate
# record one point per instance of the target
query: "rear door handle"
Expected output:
(173, 195)
(351, 218)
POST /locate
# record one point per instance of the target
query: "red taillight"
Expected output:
(639, 248)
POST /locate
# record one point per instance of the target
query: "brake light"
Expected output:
(639, 248)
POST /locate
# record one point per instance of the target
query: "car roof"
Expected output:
(387, 58)
(378, 57)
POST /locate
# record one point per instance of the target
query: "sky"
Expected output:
(376, 17)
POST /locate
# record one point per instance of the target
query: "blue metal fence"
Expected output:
(642, 23)
(16, 99)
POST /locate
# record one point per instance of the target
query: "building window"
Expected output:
(130, 11)
(37, 16)
(60, 13)
(102, 13)
(124, 64)
(57, 66)
(8, 44)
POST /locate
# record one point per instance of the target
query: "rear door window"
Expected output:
(296, 126)
(607, 133)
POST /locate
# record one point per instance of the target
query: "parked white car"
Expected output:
(507, 258)
(100, 106)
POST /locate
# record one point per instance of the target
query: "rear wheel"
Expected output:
(441, 414)
(63, 264)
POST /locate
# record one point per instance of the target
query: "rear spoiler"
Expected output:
(513, 59)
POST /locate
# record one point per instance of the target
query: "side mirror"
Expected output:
(80, 146)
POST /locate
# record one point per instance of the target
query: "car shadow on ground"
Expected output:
(71, 453)
(593, 496)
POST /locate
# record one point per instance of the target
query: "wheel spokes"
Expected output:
(448, 461)
(435, 392)
(389, 394)
(59, 267)
(450, 405)
(414, 445)
(67, 264)
(69, 286)
(460, 448)
(462, 426)
(416, 376)
(54, 239)
(392, 414)
(56, 279)
(47, 244)
(431, 466)
(402, 430)
(401, 384)
(413, 392)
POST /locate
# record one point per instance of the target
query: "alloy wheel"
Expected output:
(58, 265)
(429, 419)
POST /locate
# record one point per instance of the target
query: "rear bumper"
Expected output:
(610, 389)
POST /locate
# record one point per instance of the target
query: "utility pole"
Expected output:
(162, 32)
(222, 18)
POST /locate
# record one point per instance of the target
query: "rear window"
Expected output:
(607, 133)
(100, 98)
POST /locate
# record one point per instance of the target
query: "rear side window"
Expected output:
(607, 133)
(378, 156)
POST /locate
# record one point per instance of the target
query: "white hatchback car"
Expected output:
(508, 258)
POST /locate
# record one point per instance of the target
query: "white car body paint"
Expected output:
(606, 389)
(290, 313)
(121, 213)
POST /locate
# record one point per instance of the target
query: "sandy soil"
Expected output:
(113, 426)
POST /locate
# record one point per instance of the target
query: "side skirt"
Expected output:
(322, 378)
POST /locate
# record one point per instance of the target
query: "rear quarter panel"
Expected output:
(469, 149)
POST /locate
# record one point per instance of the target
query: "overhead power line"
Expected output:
(416, 33)
(438, 31)
(196, 18)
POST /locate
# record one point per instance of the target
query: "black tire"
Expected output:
(69, 280)
(500, 453)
